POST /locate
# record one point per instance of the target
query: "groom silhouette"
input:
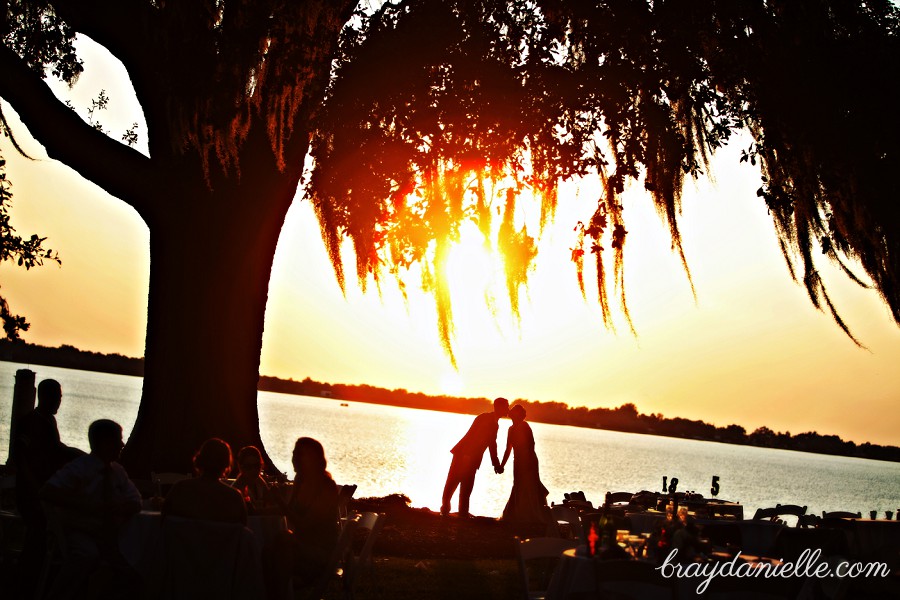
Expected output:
(467, 455)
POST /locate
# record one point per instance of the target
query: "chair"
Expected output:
(7, 492)
(618, 501)
(807, 521)
(208, 559)
(345, 493)
(12, 535)
(723, 509)
(722, 534)
(57, 550)
(163, 481)
(577, 501)
(779, 511)
(613, 521)
(575, 496)
(841, 514)
(372, 523)
(537, 558)
(336, 562)
(566, 514)
(145, 486)
(791, 542)
(758, 537)
(632, 580)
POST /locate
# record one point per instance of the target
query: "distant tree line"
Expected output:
(625, 418)
(70, 357)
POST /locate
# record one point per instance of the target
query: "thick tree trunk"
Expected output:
(209, 277)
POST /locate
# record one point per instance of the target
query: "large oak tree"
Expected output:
(419, 115)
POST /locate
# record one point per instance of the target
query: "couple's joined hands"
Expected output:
(498, 469)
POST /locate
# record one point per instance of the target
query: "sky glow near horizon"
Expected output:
(751, 350)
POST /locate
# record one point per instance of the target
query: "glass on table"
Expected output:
(635, 545)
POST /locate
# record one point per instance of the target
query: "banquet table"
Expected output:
(869, 538)
(645, 521)
(142, 534)
(180, 558)
(574, 574)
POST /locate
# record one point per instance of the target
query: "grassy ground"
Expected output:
(418, 556)
(423, 556)
(438, 579)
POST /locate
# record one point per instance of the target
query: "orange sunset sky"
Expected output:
(750, 350)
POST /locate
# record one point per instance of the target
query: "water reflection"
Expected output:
(387, 450)
(384, 450)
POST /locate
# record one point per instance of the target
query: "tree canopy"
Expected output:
(419, 116)
(504, 99)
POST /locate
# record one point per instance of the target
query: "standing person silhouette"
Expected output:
(527, 504)
(39, 454)
(467, 456)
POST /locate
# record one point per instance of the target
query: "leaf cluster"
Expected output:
(436, 114)
(33, 30)
(442, 112)
(25, 252)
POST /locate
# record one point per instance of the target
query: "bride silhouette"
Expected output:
(528, 500)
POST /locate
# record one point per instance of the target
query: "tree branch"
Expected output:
(120, 26)
(122, 171)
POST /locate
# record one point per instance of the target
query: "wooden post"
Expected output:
(23, 403)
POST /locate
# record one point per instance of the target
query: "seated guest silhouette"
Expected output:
(94, 495)
(205, 496)
(686, 536)
(208, 550)
(312, 514)
(250, 482)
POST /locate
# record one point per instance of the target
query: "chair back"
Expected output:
(722, 509)
(758, 537)
(614, 521)
(791, 542)
(12, 535)
(371, 523)
(807, 521)
(336, 562)
(575, 496)
(841, 514)
(578, 501)
(7, 491)
(209, 559)
(566, 514)
(345, 493)
(57, 551)
(632, 580)
(163, 481)
(537, 559)
(780, 510)
(722, 534)
(617, 498)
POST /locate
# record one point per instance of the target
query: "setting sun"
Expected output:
(452, 384)
(473, 267)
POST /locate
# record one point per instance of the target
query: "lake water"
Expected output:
(386, 449)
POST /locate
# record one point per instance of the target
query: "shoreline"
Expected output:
(625, 419)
